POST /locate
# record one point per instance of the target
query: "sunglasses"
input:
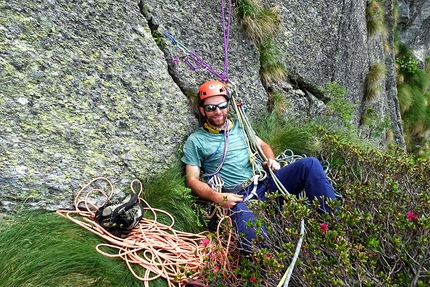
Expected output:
(211, 107)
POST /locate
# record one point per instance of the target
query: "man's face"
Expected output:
(218, 116)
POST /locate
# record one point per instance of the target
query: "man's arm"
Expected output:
(204, 191)
(268, 152)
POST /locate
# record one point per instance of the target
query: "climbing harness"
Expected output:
(193, 61)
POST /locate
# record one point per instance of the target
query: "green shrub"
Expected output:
(379, 234)
(405, 61)
(338, 104)
(376, 125)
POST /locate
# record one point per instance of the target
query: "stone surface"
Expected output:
(414, 27)
(89, 89)
(84, 93)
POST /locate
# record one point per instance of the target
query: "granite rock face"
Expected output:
(324, 41)
(414, 27)
(91, 88)
(84, 93)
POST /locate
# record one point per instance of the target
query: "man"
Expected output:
(219, 150)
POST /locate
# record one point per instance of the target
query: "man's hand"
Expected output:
(229, 200)
(203, 190)
(268, 153)
(272, 164)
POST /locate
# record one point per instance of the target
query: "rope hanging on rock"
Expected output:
(193, 61)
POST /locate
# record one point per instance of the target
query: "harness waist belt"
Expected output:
(238, 187)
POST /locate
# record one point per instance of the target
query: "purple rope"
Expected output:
(199, 63)
(226, 31)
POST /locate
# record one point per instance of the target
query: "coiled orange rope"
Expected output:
(159, 249)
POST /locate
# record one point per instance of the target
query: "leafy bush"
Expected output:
(378, 236)
(338, 104)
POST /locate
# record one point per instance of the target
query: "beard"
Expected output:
(217, 121)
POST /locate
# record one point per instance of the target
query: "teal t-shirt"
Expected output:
(201, 145)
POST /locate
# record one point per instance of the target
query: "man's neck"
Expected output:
(216, 130)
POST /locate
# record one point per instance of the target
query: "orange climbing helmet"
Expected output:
(213, 88)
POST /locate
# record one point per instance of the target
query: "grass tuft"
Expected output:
(271, 67)
(420, 79)
(259, 23)
(277, 102)
(375, 20)
(405, 96)
(281, 135)
(374, 81)
(427, 66)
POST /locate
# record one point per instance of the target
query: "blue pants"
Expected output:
(304, 174)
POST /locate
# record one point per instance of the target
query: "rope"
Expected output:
(224, 154)
(257, 156)
(193, 61)
(158, 248)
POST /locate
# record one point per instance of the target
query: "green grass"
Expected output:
(374, 81)
(375, 20)
(281, 134)
(167, 191)
(405, 96)
(271, 67)
(44, 249)
(412, 91)
(259, 23)
(427, 66)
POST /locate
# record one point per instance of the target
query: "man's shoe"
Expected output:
(120, 217)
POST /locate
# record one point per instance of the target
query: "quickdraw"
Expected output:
(193, 61)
